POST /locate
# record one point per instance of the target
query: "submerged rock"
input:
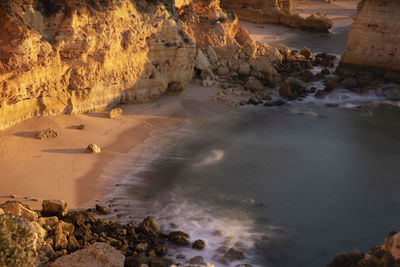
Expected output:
(199, 244)
(179, 238)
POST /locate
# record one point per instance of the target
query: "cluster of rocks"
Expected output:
(257, 81)
(49, 235)
(46, 134)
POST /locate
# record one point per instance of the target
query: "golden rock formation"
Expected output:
(374, 38)
(77, 56)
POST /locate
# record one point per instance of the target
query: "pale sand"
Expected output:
(341, 12)
(60, 168)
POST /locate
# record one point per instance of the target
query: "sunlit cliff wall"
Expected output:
(77, 56)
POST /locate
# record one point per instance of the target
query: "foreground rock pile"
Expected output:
(60, 237)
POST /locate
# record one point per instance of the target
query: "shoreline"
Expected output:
(62, 167)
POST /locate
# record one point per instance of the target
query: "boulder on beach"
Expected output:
(115, 113)
(54, 208)
(46, 134)
(93, 148)
(17, 209)
(97, 255)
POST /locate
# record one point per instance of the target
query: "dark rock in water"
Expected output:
(102, 209)
(278, 102)
(306, 52)
(199, 244)
(198, 260)
(148, 226)
(349, 83)
(347, 260)
(325, 59)
(234, 255)
(253, 101)
(331, 83)
(268, 104)
(179, 238)
(325, 72)
(332, 105)
(306, 76)
(161, 250)
(311, 90)
(292, 88)
(243, 102)
(320, 93)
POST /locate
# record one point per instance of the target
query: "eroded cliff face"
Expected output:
(77, 56)
(374, 39)
(276, 11)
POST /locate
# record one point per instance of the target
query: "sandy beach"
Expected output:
(341, 12)
(60, 168)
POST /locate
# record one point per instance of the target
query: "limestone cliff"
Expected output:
(76, 56)
(374, 38)
(276, 11)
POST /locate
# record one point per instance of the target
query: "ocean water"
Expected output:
(290, 186)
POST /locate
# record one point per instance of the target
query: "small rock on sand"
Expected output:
(115, 113)
(93, 148)
(46, 134)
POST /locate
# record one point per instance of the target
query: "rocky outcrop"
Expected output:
(373, 43)
(386, 254)
(276, 11)
(97, 255)
(76, 56)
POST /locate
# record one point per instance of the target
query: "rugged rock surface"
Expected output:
(76, 56)
(386, 254)
(373, 42)
(17, 238)
(276, 11)
(97, 255)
